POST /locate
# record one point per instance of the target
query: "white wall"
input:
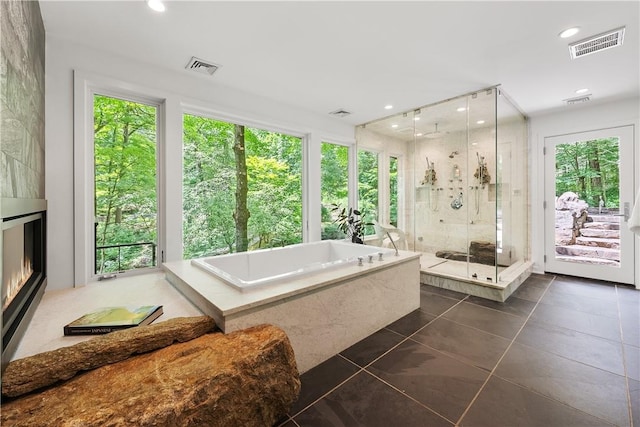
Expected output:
(178, 89)
(575, 119)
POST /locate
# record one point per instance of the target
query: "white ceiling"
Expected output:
(359, 55)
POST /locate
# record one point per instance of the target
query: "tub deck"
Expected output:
(322, 314)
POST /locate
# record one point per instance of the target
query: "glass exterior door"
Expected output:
(589, 195)
(125, 185)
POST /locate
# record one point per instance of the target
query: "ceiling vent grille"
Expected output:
(578, 100)
(201, 66)
(597, 43)
(340, 113)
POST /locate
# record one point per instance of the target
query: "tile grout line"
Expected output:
(491, 373)
(409, 397)
(361, 369)
(624, 359)
(408, 337)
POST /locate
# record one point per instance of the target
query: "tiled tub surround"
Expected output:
(322, 314)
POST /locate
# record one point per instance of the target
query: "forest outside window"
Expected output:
(242, 188)
(334, 169)
(368, 187)
(125, 185)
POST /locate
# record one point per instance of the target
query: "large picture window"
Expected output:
(334, 169)
(368, 187)
(393, 191)
(242, 188)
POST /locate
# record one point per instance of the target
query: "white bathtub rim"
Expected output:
(308, 269)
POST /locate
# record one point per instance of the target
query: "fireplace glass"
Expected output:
(22, 268)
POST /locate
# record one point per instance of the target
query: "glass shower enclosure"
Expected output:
(462, 197)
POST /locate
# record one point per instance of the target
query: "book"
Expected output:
(109, 319)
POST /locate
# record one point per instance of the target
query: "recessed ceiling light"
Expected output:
(569, 32)
(388, 107)
(156, 5)
(581, 91)
(461, 109)
(480, 122)
(416, 118)
(394, 125)
(418, 134)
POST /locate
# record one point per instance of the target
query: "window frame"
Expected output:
(85, 89)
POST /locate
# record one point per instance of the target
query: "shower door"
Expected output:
(589, 195)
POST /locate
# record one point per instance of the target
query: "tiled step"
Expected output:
(599, 242)
(587, 260)
(589, 252)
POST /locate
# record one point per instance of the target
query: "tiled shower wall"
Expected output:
(22, 99)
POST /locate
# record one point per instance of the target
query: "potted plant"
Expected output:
(350, 222)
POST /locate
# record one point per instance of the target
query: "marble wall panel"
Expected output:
(22, 50)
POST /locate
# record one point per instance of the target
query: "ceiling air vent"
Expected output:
(201, 66)
(340, 113)
(597, 43)
(578, 100)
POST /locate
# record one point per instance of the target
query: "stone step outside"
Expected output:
(587, 260)
(597, 232)
(605, 218)
(598, 242)
(602, 225)
(589, 252)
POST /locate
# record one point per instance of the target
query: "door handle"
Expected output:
(626, 214)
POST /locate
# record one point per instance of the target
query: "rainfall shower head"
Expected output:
(435, 134)
(453, 153)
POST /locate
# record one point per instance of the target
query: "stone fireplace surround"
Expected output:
(16, 316)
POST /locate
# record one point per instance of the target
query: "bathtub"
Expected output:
(249, 270)
(316, 292)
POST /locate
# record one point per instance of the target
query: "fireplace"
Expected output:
(23, 269)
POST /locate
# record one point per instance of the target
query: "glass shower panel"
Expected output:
(442, 197)
(483, 187)
(511, 149)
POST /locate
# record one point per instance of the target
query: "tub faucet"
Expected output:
(393, 243)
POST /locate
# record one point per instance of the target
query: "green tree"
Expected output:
(241, 213)
(393, 191)
(368, 186)
(210, 181)
(125, 183)
(334, 168)
(589, 169)
(208, 186)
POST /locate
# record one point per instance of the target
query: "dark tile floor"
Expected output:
(560, 352)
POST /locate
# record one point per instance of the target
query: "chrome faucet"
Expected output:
(393, 243)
